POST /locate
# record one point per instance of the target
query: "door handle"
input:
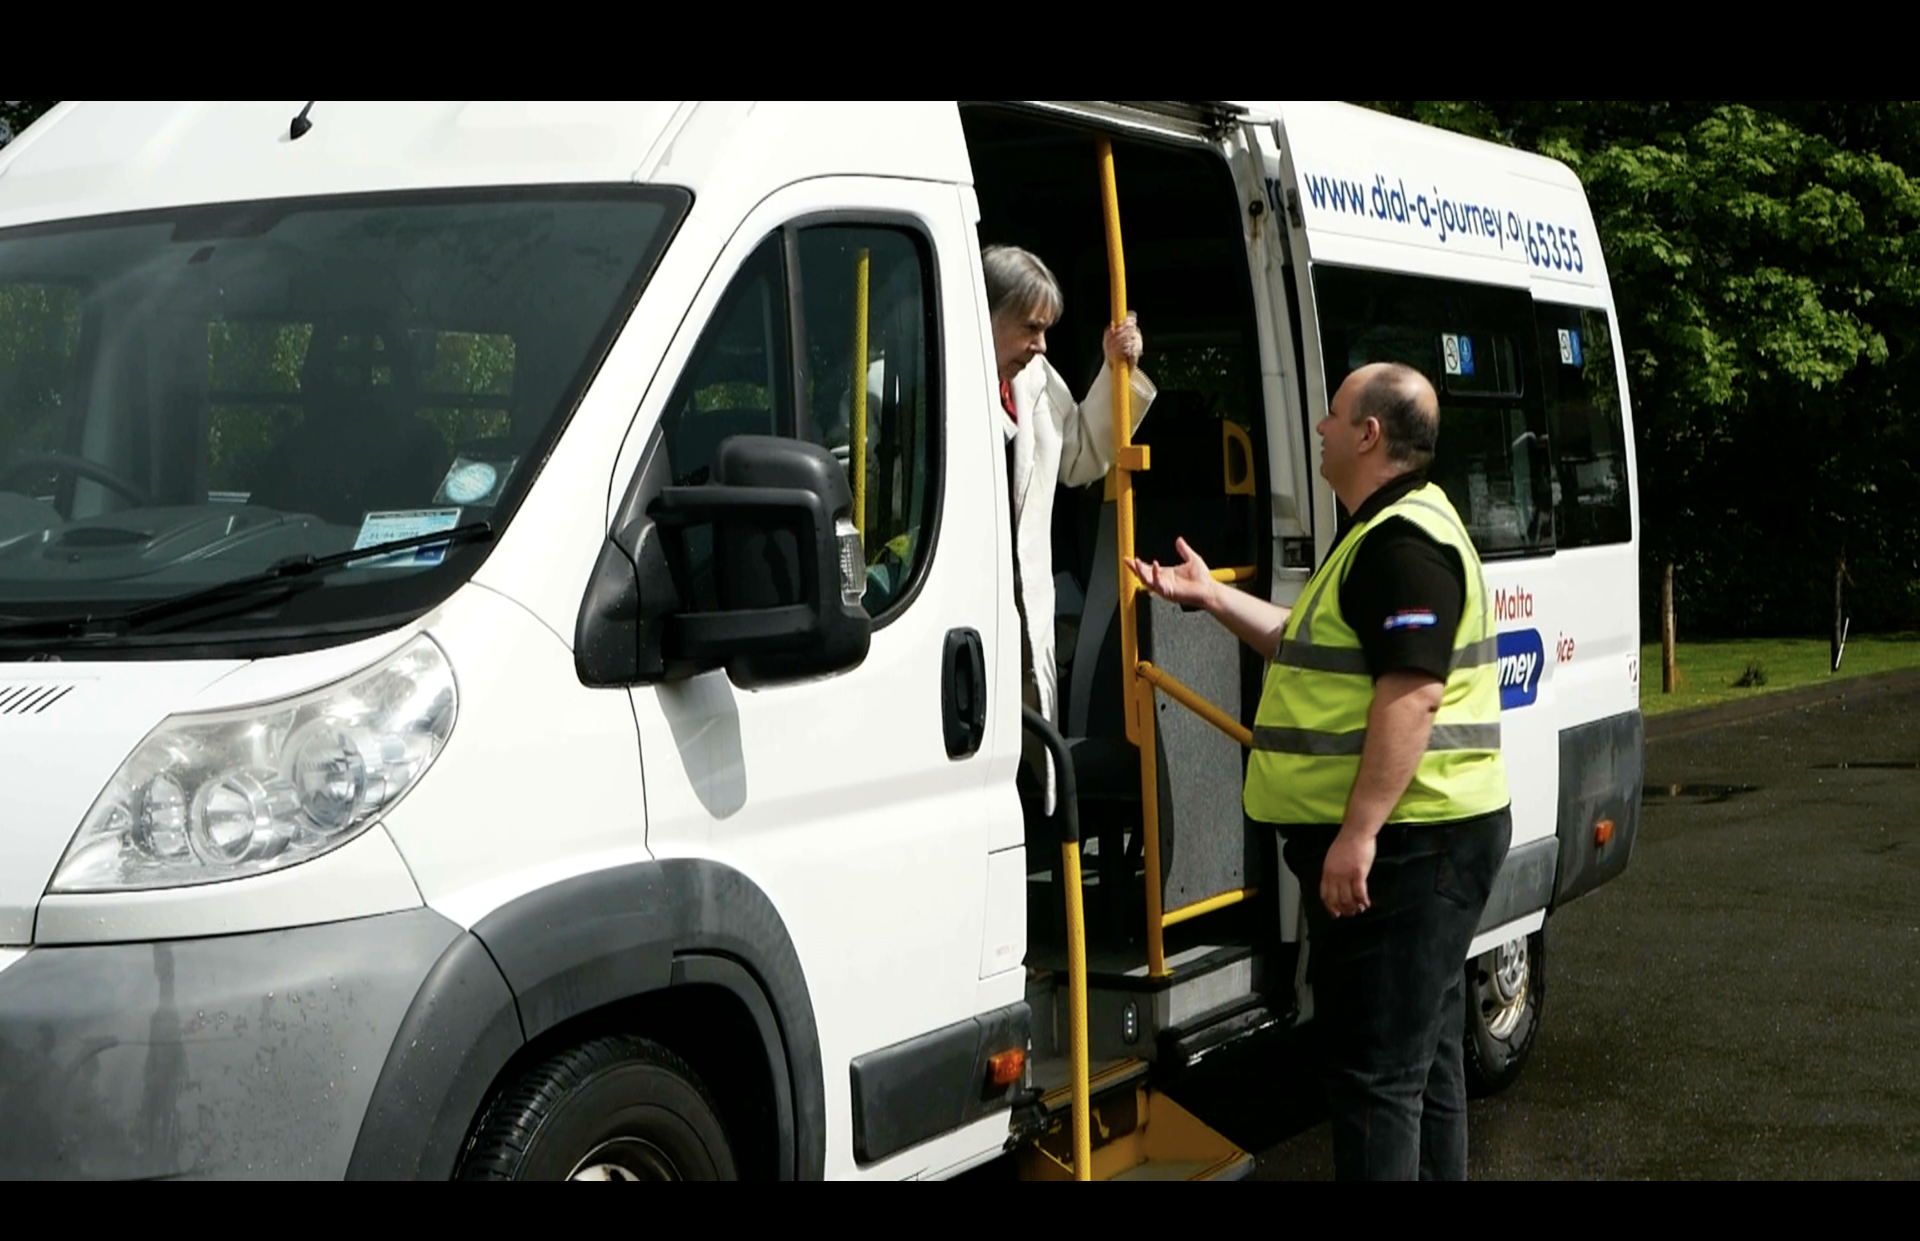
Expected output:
(963, 692)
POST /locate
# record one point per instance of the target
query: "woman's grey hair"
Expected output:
(1018, 282)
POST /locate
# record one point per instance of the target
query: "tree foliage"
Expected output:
(17, 114)
(1763, 257)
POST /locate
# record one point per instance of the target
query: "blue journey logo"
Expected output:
(1523, 660)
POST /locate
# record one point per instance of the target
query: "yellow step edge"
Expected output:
(1155, 1130)
(1060, 1095)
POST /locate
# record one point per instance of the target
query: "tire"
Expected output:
(1506, 998)
(616, 1108)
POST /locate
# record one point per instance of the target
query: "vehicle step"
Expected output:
(1186, 1048)
(1129, 1013)
(1139, 1134)
(1235, 1167)
(1054, 1079)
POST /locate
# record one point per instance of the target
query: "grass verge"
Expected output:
(1739, 669)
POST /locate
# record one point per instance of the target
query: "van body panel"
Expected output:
(823, 850)
(76, 725)
(246, 1057)
(540, 780)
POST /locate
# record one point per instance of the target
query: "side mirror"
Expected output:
(760, 572)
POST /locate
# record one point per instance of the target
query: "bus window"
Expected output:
(461, 385)
(898, 485)
(1476, 345)
(39, 372)
(253, 385)
(1585, 420)
(762, 369)
(1483, 365)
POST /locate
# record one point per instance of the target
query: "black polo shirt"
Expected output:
(1405, 592)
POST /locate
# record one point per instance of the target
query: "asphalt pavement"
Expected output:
(1742, 1003)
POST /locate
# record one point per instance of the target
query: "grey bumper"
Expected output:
(253, 1056)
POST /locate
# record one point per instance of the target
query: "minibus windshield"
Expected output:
(201, 396)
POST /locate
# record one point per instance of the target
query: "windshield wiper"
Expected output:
(286, 578)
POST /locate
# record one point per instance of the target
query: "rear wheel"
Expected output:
(1506, 993)
(615, 1109)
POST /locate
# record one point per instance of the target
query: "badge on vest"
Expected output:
(1411, 620)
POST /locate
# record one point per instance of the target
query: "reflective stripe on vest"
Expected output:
(1312, 724)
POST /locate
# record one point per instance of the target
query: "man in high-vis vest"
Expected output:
(1376, 752)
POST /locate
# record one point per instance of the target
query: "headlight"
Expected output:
(214, 797)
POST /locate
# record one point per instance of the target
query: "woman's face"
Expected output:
(1019, 338)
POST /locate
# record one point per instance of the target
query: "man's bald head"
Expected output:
(1406, 407)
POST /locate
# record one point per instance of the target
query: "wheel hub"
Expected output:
(1503, 988)
(625, 1159)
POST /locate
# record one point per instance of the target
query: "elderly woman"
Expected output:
(1051, 439)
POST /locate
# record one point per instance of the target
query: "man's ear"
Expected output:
(1371, 433)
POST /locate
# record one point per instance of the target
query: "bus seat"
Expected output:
(360, 443)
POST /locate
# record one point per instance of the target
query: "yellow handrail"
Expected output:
(862, 268)
(1233, 728)
(1127, 460)
(1193, 702)
(1077, 1013)
(1185, 913)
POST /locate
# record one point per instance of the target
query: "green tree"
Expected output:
(17, 114)
(1763, 263)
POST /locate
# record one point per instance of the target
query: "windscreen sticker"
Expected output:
(397, 524)
(1458, 352)
(475, 481)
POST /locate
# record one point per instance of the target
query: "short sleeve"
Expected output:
(1403, 597)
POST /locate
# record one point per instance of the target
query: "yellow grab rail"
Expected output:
(1176, 916)
(1067, 822)
(1193, 702)
(1077, 1013)
(861, 270)
(1126, 460)
(1233, 728)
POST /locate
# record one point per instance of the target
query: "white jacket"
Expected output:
(1056, 440)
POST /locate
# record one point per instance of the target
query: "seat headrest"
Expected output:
(359, 355)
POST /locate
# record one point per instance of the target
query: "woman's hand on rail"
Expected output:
(1123, 342)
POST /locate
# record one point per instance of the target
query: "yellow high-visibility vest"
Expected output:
(1312, 722)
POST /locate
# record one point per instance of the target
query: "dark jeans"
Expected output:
(1389, 989)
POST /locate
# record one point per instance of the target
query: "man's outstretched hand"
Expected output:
(1189, 584)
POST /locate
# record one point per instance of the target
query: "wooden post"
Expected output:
(1668, 673)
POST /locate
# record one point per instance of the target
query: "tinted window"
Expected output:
(1476, 345)
(39, 363)
(809, 317)
(231, 387)
(1587, 426)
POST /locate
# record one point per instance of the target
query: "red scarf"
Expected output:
(1006, 398)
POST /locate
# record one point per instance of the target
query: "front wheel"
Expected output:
(614, 1109)
(1506, 993)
